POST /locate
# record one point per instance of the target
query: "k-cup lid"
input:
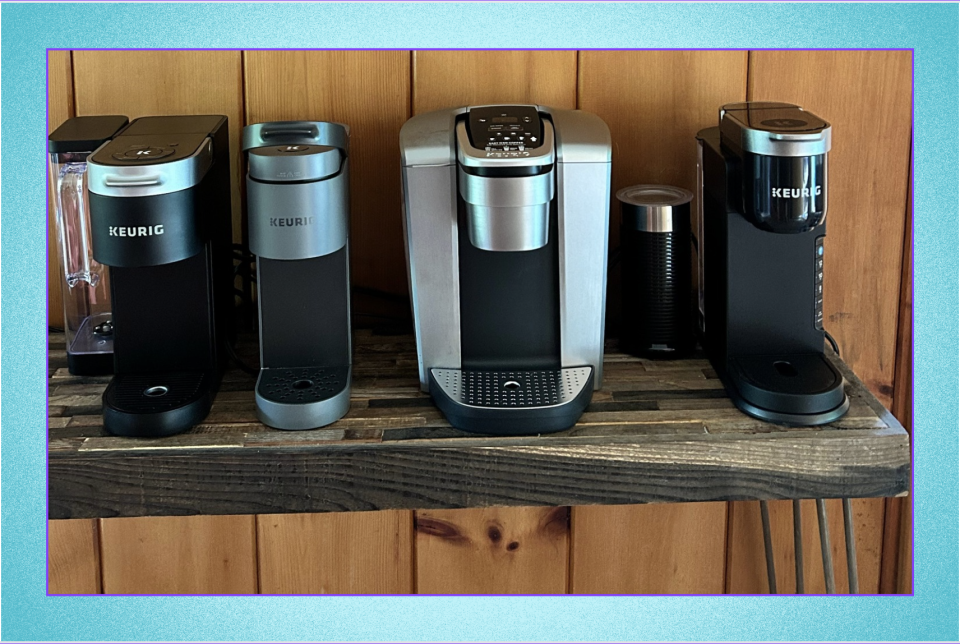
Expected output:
(652, 208)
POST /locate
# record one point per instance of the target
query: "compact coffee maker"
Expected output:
(299, 219)
(506, 221)
(87, 321)
(762, 183)
(160, 212)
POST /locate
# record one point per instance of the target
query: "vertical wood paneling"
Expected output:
(59, 109)
(370, 92)
(456, 550)
(746, 568)
(492, 551)
(73, 557)
(179, 555)
(341, 553)
(454, 78)
(866, 97)
(156, 83)
(898, 533)
(654, 103)
(648, 549)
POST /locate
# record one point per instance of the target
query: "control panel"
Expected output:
(149, 148)
(818, 284)
(507, 127)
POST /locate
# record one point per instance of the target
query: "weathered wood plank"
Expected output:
(644, 442)
(339, 553)
(493, 550)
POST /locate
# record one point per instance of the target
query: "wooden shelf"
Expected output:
(658, 432)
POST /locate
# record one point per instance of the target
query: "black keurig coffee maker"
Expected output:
(85, 283)
(762, 181)
(160, 212)
(298, 211)
(655, 271)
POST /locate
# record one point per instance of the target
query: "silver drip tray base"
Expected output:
(512, 402)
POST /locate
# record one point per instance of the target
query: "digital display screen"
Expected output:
(505, 119)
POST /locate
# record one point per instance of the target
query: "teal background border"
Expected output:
(931, 30)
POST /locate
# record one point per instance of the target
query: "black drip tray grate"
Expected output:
(155, 393)
(299, 385)
(513, 389)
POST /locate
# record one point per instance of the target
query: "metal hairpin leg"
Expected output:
(853, 581)
(798, 544)
(768, 548)
(825, 550)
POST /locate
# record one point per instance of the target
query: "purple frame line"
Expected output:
(748, 49)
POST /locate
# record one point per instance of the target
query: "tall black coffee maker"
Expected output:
(762, 184)
(160, 213)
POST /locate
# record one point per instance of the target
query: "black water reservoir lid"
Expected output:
(84, 133)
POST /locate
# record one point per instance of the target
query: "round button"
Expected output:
(143, 154)
(790, 123)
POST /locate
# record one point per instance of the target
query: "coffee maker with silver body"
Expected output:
(506, 211)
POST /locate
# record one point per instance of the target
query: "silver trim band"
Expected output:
(149, 180)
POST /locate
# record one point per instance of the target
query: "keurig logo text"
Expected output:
(291, 221)
(136, 231)
(795, 193)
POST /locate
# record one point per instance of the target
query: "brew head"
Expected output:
(782, 152)
(505, 159)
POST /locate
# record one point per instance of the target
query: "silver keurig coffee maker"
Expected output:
(84, 283)
(160, 214)
(298, 213)
(762, 182)
(506, 220)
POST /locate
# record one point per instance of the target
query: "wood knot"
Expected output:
(513, 545)
(494, 533)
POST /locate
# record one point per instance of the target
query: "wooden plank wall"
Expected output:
(654, 102)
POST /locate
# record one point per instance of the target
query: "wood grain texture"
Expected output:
(158, 83)
(492, 551)
(59, 109)
(656, 432)
(897, 569)
(444, 79)
(370, 92)
(73, 557)
(869, 106)
(648, 549)
(746, 568)
(340, 553)
(654, 103)
(179, 555)
(866, 96)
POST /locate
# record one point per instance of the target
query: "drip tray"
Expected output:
(512, 402)
(302, 397)
(301, 385)
(151, 405)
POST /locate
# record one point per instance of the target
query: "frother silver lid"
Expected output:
(650, 207)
